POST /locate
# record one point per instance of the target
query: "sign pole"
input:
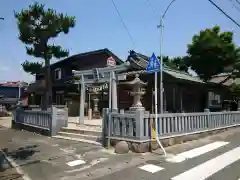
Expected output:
(161, 80)
(109, 106)
(155, 66)
(161, 66)
(156, 103)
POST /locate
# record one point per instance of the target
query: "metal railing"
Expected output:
(138, 125)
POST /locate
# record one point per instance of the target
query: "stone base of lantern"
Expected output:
(96, 115)
(136, 108)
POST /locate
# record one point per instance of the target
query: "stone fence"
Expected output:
(138, 127)
(48, 122)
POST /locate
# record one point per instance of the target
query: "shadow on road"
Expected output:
(22, 153)
(7, 172)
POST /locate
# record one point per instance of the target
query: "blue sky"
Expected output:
(98, 26)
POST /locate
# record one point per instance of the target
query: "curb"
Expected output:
(14, 165)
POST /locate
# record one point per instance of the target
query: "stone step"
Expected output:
(81, 136)
(83, 129)
(77, 139)
(83, 133)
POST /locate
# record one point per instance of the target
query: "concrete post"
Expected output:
(206, 110)
(114, 92)
(66, 117)
(82, 101)
(53, 124)
(105, 114)
(139, 123)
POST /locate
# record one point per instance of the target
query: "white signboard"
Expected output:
(111, 62)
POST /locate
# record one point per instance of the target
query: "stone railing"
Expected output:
(137, 126)
(50, 121)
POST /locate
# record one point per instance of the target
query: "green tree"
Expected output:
(212, 52)
(177, 63)
(37, 26)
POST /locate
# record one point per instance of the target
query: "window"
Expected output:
(59, 99)
(57, 74)
(214, 99)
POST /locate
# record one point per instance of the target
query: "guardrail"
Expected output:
(51, 120)
(137, 126)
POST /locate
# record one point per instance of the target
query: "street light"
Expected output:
(1, 18)
(161, 54)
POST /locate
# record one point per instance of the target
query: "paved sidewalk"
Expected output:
(6, 121)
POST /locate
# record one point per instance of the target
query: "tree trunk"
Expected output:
(48, 81)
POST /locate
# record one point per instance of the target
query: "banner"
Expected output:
(98, 88)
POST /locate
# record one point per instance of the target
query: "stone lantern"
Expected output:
(137, 92)
(96, 112)
(95, 99)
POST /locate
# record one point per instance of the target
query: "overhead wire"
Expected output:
(223, 12)
(215, 5)
(123, 23)
(151, 7)
(234, 5)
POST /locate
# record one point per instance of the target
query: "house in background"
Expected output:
(182, 92)
(227, 81)
(63, 92)
(12, 92)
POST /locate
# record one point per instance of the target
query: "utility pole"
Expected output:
(161, 26)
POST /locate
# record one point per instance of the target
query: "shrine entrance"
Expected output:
(96, 82)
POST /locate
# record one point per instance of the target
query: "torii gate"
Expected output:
(100, 75)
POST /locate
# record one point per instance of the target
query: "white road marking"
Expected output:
(68, 150)
(92, 163)
(55, 145)
(196, 152)
(205, 170)
(76, 162)
(151, 168)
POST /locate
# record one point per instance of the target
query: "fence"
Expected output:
(51, 120)
(138, 126)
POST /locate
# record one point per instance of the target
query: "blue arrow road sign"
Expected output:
(153, 64)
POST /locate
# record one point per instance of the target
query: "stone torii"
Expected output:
(100, 75)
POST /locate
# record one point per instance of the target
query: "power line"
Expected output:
(234, 5)
(238, 1)
(123, 23)
(214, 4)
(150, 5)
(222, 11)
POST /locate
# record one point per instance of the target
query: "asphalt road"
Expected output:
(42, 158)
(212, 158)
(39, 157)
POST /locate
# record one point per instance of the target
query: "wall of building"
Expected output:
(10, 92)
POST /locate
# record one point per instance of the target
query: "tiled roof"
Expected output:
(14, 84)
(182, 75)
(76, 56)
(141, 61)
(221, 77)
